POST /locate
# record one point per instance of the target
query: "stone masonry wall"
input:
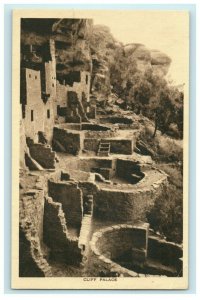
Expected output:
(120, 146)
(91, 144)
(23, 145)
(116, 146)
(32, 261)
(43, 155)
(78, 87)
(69, 140)
(127, 205)
(63, 247)
(110, 242)
(38, 116)
(166, 252)
(86, 164)
(70, 196)
(34, 112)
(32, 209)
(125, 168)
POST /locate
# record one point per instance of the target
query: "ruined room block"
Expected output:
(66, 141)
(56, 236)
(70, 196)
(120, 146)
(91, 114)
(43, 154)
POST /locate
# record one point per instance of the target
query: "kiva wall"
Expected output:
(127, 205)
(111, 242)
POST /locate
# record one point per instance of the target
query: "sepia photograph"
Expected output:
(100, 149)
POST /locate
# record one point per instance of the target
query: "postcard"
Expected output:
(100, 118)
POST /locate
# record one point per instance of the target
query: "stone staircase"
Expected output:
(85, 231)
(104, 149)
(86, 225)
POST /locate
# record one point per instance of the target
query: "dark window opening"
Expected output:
(23, 111)
(58, 110)
(72, 77)
(35, 77)
(48, 113)
(32, 116)
(61, 111)
(52, 84)
(86, 79)
(29, 75)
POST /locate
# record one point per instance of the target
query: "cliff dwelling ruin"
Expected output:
(86, 180)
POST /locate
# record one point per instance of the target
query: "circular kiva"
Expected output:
(130, 251)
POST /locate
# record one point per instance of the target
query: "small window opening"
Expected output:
(86, 79)
(23, 111)
(48, 113)
(58, 109)
(32, 116)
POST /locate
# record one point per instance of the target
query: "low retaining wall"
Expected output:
(116, 120)
(94, 127)
(117, 146)
(87, 164)
(98, 135)
(91, 144)
(120, 146)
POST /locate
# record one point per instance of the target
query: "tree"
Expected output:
(166, 216)
(142, 91)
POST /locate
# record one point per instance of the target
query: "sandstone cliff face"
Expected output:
(115, 64)
(102, 47)
(146, 58)
(71, 44)
(160, 62)
(82, 46)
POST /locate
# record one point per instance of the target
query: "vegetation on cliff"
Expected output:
(137, 76)
(166, 216)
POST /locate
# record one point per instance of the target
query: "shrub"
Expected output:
(166, 216)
